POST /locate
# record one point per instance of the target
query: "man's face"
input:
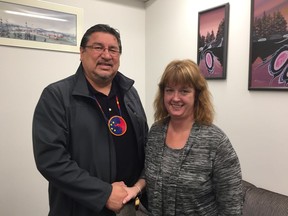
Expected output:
(100, 58)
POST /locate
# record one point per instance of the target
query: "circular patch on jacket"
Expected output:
(117, 125)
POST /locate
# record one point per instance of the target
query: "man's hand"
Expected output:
(115, 201)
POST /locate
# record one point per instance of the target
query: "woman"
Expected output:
(191, 167)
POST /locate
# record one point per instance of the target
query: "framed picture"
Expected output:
(268, 66)
(40, 25)
(213, 41)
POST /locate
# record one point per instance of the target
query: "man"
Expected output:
(89, 132)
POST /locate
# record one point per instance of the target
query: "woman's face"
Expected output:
(179, 101)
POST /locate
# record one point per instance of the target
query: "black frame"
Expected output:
(212, 49)
(268, 62)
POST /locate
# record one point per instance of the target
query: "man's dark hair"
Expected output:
(101, 28)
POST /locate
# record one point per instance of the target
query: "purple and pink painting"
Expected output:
(269, 45)
(212, 42)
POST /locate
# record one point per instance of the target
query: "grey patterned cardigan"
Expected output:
(207, 176)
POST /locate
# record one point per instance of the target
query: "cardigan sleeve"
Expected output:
(227, 179)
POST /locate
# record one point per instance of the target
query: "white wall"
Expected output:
(24, 74)
(254, 121)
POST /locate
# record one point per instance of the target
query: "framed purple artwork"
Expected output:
(268, 68)
(213, 41)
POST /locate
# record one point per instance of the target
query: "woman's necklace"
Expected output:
(116, 124)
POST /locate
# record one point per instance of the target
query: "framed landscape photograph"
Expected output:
(213, 41)
(268, 63)
(40, 25)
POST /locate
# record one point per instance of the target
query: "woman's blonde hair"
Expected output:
(187, 73)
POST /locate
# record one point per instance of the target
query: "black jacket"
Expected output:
(73, 148)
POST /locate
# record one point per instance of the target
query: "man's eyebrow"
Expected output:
(100, 44)
(97, 43)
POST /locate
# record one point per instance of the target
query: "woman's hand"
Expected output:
(132, 193)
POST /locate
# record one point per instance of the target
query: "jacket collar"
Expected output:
(81, 87)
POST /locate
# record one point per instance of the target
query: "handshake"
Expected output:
(121, 194)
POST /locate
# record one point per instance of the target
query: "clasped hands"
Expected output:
(120, 195)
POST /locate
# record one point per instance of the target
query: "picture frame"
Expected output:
(213, 26)
(268, 59)
(40, 25)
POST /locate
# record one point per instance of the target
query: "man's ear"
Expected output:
(82, 50)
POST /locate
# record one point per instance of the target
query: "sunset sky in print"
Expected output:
(270, 6)
(210, 21)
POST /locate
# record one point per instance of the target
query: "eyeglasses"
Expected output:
(113, 51)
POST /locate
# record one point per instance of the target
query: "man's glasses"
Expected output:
(113, 51)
